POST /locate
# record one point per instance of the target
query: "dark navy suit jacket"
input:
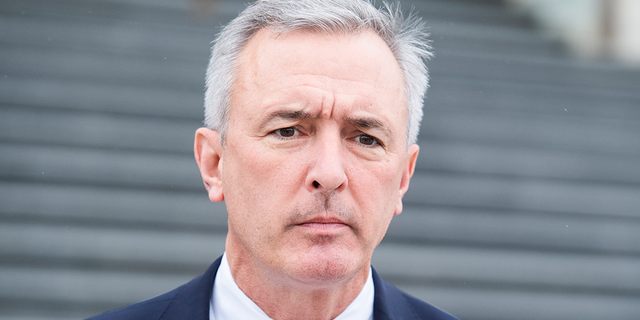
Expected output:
(191, 302)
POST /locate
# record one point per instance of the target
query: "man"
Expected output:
(312, 113)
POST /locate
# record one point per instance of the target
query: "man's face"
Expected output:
(315, 160)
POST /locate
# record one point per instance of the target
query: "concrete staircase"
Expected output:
(525, 204)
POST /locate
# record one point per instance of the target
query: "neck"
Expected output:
(283, 297)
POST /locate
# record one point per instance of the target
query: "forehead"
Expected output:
(354, 70)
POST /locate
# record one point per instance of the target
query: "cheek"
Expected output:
(277, 174)
(375, 187)
(261, 178)
(376, 178)
(375, 192)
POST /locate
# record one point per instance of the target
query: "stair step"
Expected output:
(509, 303)
(100, 130)
(134, 38)
(460, 95)
(491, 267)
(477, 12)
(113, 168)
(58, 63)
(496, 39)
(475, 227)
(159, 251)
(126, 208)
(119, 98)
(552, 132)
(534, 70)
(523, 162)
(92, 291)
(523, 194)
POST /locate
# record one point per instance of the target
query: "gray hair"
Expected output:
(406, 37)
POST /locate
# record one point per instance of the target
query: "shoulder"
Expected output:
(392, 303)
(425, 311)
(189, 301)
(151, 309)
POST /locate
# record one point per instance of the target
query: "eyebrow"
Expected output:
(358, 122)
(285, 114)
(368, 123)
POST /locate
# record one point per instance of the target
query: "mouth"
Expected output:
(323, 224)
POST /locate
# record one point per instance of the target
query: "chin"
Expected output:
(326, 268)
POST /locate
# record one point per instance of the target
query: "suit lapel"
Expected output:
(389, 303)
(192, 302)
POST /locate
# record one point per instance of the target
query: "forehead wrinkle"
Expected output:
(332, 84)
(322, 97)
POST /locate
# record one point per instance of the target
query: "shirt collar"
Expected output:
(228, 302)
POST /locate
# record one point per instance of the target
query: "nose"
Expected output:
(327, 172)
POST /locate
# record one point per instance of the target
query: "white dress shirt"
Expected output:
(228, 302)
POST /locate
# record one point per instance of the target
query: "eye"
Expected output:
(286, 132)
(366, 140)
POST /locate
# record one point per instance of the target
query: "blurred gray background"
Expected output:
(525, 203)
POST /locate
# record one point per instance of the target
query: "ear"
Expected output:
(407, 172)
(208, 152)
